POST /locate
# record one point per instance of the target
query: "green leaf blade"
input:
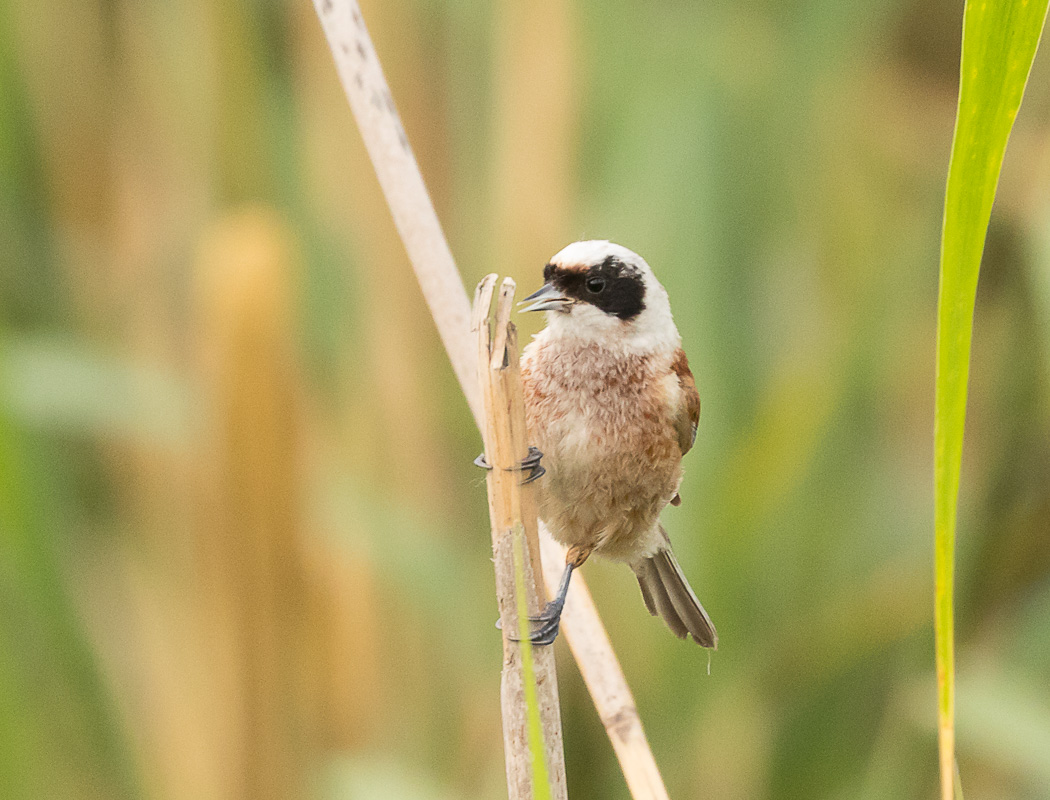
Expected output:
(1000, 38)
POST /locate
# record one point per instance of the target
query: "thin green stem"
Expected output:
(541, 786)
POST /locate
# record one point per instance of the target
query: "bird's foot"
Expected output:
(545, 625)
(547, 622)
(529, 465)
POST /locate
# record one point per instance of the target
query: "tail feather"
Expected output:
(667, 594)
(656, 598)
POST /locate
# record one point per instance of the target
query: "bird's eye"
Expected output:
(595, 285)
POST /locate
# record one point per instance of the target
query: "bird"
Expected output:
(612, 407)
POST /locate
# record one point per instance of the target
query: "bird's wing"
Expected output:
(688, 413)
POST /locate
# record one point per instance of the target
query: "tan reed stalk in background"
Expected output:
(512, 510)
(362, 78)
(250, 551)
(533, 125)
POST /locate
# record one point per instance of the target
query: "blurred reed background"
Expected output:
(243, 553)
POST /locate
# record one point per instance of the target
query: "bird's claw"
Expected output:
(547, 624)
(530, 465)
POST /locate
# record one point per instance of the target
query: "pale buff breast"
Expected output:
(604, 424)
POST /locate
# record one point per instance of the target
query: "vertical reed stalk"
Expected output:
(506, 445)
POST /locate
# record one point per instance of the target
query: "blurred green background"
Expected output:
(243, 553)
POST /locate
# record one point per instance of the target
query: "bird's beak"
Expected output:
(548, 298)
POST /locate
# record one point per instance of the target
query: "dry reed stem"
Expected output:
(399, 175)
(370, 100)
(505, 446)
(601, 672)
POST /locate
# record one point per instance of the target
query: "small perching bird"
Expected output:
(611, 404)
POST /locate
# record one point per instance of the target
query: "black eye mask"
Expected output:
(612, 286)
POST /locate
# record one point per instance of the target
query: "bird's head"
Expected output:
(600, 292)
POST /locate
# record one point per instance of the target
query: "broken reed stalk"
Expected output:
(372, 104)
(513, 515)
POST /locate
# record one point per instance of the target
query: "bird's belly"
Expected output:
(607, 480)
